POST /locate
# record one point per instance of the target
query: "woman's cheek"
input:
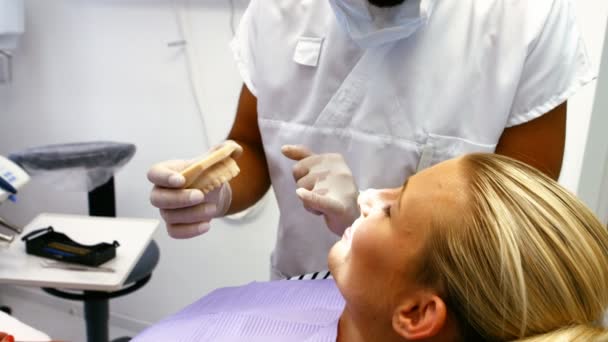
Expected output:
(365, 241)
(373, 247)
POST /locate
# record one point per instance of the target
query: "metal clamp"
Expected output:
(6, 237)
(14, 228)
(6, 66)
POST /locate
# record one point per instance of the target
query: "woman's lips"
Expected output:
(350, 231)
(347, 234)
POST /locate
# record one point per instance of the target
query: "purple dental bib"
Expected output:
(306, 310)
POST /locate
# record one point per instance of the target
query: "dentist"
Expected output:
(362, 93)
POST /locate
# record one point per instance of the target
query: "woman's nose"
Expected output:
(364, 208)
(364, 202)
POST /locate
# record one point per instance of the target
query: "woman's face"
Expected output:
(376, 262)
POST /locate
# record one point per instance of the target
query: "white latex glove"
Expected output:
(186, 212)
(325, 186)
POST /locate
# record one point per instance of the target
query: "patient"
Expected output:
(478, 248)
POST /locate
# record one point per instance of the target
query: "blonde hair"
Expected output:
(525, 260)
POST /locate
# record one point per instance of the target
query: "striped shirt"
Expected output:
(311, 276)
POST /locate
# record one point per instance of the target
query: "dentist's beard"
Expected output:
(386, 3)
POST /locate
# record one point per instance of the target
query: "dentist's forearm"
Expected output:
(539, 142)
(252, 182)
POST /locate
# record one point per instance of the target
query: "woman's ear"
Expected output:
(420, 317)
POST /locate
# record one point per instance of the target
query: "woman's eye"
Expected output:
(387, 210)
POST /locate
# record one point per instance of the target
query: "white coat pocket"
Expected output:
(308, 51)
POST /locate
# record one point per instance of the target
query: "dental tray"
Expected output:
(48, 243)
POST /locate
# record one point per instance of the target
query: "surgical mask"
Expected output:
(371, 26)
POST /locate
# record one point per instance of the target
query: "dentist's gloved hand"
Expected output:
(186, 212)
(325, 185)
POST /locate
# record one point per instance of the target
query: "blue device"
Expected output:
(7, 186)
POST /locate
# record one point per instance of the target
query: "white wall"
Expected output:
(592, 21)
(593, 186)
(101, 69)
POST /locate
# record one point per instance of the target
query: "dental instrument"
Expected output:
(74, 267)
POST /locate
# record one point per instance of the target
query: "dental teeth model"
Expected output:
(212, 171)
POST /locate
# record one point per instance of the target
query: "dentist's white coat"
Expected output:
(451, 87)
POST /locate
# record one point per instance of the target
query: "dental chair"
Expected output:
(93, 164)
